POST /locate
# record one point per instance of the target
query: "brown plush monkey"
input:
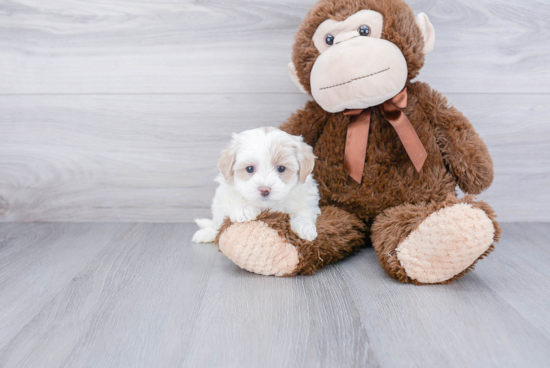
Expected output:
(390, 154)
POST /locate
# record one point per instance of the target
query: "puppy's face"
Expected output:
(265, 164)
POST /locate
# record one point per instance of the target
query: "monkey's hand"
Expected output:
(464, 152)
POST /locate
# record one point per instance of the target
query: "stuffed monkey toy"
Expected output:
(390, 154)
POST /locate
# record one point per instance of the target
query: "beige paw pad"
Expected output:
(446, 243)
(256, 247)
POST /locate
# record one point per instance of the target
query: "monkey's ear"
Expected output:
(428, 32)
(294, 77)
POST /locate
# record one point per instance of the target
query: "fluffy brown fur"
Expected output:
(392, 194)
(456, 156)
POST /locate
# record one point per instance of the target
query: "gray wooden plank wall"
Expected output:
(117, 111)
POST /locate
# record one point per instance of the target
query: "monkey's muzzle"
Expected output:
(358, 73)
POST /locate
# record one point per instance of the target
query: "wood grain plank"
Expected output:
(465, 324)
(151, 298)
(254, 321)
(132, 305)
(475, 50)
(221, 46)
(37, 261)
(515, 130)
(526, 288)
(145, 155)
(153, 158)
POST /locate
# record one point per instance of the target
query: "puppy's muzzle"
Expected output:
(264, 191)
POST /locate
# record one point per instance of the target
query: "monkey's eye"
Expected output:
(281, 169)
(250, 169)
(364, 30)
(329, 39)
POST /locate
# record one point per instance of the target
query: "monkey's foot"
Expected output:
(436, 243)
(256, 247)
(269, 246)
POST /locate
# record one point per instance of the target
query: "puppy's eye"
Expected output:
(281, 169)
(364, 30)
(329, 39)
(250, 169)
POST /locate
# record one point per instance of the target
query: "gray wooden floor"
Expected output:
(142, 295)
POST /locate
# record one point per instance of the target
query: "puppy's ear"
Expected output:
(306, 159)
(227, 159)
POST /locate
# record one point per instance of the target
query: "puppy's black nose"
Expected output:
(265, 191)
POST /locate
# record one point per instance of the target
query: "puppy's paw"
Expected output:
(304, 228)
(205, 236)
(244, 213)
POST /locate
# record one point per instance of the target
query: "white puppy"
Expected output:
(262, 169)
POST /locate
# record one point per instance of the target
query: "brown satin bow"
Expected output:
(358, 134)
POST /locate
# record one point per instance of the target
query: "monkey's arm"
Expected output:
(464, 152)
(308, 122)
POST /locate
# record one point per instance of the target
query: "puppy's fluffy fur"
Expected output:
(262, 169)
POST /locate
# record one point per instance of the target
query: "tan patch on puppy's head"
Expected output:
(242, 174)
(268, 129)
(282, 155)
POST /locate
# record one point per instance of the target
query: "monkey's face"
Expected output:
(359, 60)
(356, 68)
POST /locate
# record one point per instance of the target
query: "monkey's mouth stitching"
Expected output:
(346, 40)
(354, 79)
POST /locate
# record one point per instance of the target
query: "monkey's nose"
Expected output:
(264, 191)
(345, 36)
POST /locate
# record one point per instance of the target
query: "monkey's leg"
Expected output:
(434, 243)
(268, 246)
